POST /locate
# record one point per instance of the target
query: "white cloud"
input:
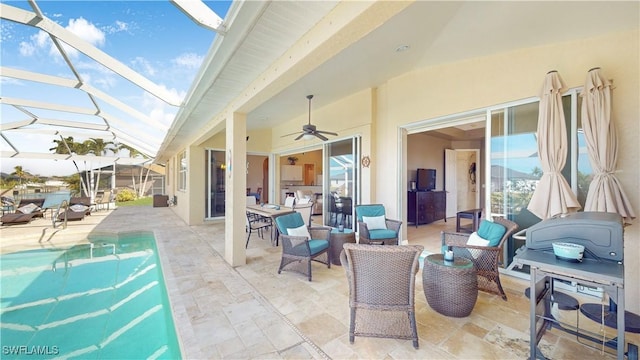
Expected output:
(6, 31)
(189, 60)
(119, 26)
(10, 81)
(158, 110)
(79, 27)
(86, 31)
(142, 63)
(26, 49)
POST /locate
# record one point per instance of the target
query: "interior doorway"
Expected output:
(461, 180)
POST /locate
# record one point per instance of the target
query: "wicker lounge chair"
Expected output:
(16, 218)
(82, 200)
(382, 290)
(78, 208)
(386, 236)
(298, 251)
(39, 202)
(71, 215)
(485, 258)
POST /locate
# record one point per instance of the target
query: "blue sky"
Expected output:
(153, 38)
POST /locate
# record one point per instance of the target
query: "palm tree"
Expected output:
(19, 172)
(63, 146)
(69, 146)
(98, 147)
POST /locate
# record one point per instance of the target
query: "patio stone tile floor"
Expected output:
(251, 312)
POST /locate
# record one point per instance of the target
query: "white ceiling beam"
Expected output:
(74, 84)
(65, 132)
(88, 158)
(201, 14)
(41, 78)
(29, 18)
(73, 124)
(47, 106)
(16, 124)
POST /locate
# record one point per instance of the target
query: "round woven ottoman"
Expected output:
(451, 287)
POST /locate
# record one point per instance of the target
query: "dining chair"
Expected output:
(256, 224)
(305, 210)
(334, 210)
(289, 201)
(346, 211)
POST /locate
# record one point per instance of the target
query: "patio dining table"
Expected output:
(270, 211)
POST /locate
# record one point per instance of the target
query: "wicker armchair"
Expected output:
(382, 290)
(298, 251)
(388, 236)
(484, 258)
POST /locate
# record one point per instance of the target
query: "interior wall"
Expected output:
(465, 189)
(350, 116)
(254, 172)
(426, 152)
(482, 82)
(480, 145)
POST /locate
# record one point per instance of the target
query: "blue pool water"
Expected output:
(104, 300)
(51, 200)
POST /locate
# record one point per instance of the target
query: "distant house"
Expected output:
(150, 177)
(517, 180)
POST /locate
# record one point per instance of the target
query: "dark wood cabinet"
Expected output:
(425, 207)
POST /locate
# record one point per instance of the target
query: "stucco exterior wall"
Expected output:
(477, 83)
(377, 114)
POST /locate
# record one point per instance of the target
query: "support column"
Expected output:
(235, 191)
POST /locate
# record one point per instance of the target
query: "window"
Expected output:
(182, 172)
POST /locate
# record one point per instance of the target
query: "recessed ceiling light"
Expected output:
(402, 48)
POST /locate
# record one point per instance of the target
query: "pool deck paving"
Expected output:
(252, 312)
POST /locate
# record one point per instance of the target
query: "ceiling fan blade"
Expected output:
(318, 135)
(327, 132)
(297, 132)
(300, 136)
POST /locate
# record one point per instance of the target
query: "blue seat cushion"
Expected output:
(382, 234)
(315, 245)
(491, 231)
(369, 211)
(289, 221)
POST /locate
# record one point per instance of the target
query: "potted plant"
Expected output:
(292, 160)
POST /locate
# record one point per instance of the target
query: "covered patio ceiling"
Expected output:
(414, 35)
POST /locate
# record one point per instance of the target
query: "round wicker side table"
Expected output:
(451, 288)
(337, 240)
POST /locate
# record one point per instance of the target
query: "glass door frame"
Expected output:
(356, 141)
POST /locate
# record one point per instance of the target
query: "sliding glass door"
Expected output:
(515, 164)
(341, 187)
(215, 184)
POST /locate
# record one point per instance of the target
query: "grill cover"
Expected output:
(599, 232)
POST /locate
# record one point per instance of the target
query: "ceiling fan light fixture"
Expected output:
(309, 131)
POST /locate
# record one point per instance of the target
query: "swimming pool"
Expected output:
(104, 300)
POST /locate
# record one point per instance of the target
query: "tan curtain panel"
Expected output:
(553, 195)
(605, 191)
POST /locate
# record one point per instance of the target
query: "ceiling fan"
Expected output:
(309, 130)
